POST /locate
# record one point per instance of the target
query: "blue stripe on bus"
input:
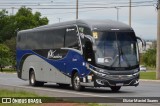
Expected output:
(65, 65)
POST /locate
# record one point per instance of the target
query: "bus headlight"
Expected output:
(136, 74)
(95, 70)
(101, 74)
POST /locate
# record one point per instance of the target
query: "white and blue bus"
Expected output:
(81, 53)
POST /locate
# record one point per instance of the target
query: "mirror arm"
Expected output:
(143, 42)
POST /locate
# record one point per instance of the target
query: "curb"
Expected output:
(8, 73)
(146, 80)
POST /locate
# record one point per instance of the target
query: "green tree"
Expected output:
(11, 44)
(24, 19)
(3, 21)
(4, 56)
(10, 25)
(149, 58)
(8, 28)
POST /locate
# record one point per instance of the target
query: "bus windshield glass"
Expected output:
(116, 49)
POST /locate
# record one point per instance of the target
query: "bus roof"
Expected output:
(100, 25)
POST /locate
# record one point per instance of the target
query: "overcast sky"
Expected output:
(144, 14)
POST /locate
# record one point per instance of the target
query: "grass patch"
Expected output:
(93, 104)
(151, 75)
(7, 93)
(10, 70)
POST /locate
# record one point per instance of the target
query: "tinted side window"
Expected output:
(50, 39)
(71, 38)
(19, 41)
(54, 39)
(59, 38)
(23, 41)
(46, 39)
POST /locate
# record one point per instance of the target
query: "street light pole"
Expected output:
(77, 9)
(117, 13)
(59, 19)
(130, 12)
(12, 10)
(158, 41)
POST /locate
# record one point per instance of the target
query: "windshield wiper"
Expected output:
(120, 56)
(123, 56)
(114, 61)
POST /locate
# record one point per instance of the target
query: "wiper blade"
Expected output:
(114, 60)
(123, 56)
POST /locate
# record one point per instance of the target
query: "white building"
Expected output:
(149, 45)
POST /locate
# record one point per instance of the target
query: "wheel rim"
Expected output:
(76, 82)
(32, 79)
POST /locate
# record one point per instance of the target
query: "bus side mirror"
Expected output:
(81, 35)
(89, 37)
(143, 43)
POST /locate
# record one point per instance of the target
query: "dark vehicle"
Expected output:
(81, 53)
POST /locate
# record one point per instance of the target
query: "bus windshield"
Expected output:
(116, 49)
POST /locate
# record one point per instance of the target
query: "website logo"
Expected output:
(6, 100)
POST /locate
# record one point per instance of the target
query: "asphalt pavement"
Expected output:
(145, 89)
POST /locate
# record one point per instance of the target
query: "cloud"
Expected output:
(144, 19)
(145, 31)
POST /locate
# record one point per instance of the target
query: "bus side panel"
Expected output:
(44, 71)
(50, 70)
(76, 62)
(36, 64)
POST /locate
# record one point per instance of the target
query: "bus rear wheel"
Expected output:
(115, 88)
(76, 83)
(32, 80)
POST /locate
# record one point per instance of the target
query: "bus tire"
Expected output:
(76, 83)
(32, 80)
(115, 88)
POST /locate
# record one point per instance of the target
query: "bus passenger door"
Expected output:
(72, 44)
(60, 73)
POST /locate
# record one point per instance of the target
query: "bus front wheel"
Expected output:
(115, 88)
(76, 82)
(32, 80)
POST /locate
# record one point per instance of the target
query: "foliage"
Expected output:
(24, 19)
(11, 44)
(4, 56)
(149, 58)
(9, 70)
(11, 24)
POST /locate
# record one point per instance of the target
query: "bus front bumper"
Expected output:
(112, 80)
(116, 81)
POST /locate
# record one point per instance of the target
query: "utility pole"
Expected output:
(59, 19)
(77, 9)
(158, 41)
(12, 10)
(129, 12)
(117, 13)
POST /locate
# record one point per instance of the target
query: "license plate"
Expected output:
(119, 84)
